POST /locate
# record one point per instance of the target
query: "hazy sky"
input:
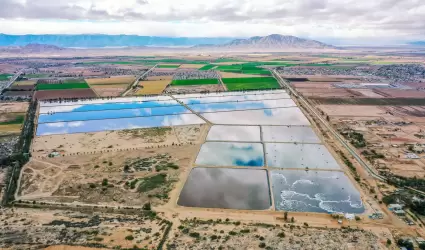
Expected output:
(331, 19)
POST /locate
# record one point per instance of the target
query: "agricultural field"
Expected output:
(64, 93)
(207, 67)
(41, 75)
(111, 80)
(5, 77)
(191, 66)
(152, 87)
(194, 82)
(168, 66)
(25, 82)
(63, 86)
(233, 84)
(12, 117)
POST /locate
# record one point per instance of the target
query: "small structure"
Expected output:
(399, 212)
(411, 156)
(397, 209)
(396, 206)
(420, 240)
(418, 149)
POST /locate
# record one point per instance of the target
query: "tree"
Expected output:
(285, 216)
(105, 182)
(147, 206)
(292, 219)
(389, 242)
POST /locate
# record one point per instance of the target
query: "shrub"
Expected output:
(92, 185)
(105, 182)
(129, 237)
(147, 206)
(262, 245)
(194, 235)
(281, 235)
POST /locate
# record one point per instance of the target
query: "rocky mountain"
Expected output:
(99, 41)
(273, 41)
(32, 48)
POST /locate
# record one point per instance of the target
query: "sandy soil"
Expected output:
(115, 140)
(398, 93)
(26, 228)
(319, 85)
(369, 93)
(116, 80)
(236, 235)
(152, 87)
(115, 91)
(23, 83)
(81, 178)
(352, 110)
(14, 107)
(88, 159)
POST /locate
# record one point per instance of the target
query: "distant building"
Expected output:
(399, 212)
(392, 207)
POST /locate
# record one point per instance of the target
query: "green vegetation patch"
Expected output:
(207, 67)
(152, 182)
(251, 83)
(5, 77)
(80, 85)
(169, 66)
(36, 75)
(194, 82)
(18, 119)
(224, 60)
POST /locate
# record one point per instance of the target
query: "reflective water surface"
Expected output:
(110, 114)
(277, 116)
(289, 134)
(108, 106)
(289, 155)
(239, 98)
(106, 100)
(226, 188)
(314, 191)
(231, 154)
(234, 133)
(117, 124)
(226, 106)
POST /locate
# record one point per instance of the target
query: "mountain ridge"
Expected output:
(273, 41)
(100, 40)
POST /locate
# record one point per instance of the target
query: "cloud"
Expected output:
(308, 18)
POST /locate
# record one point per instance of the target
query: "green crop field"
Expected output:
(19, 119)
(80, 85)
(207, 67)
(36, 75)
(251, 83)
(256, 72)
(222, 60)
(5, 77)
(194, 82)
(168, 66)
